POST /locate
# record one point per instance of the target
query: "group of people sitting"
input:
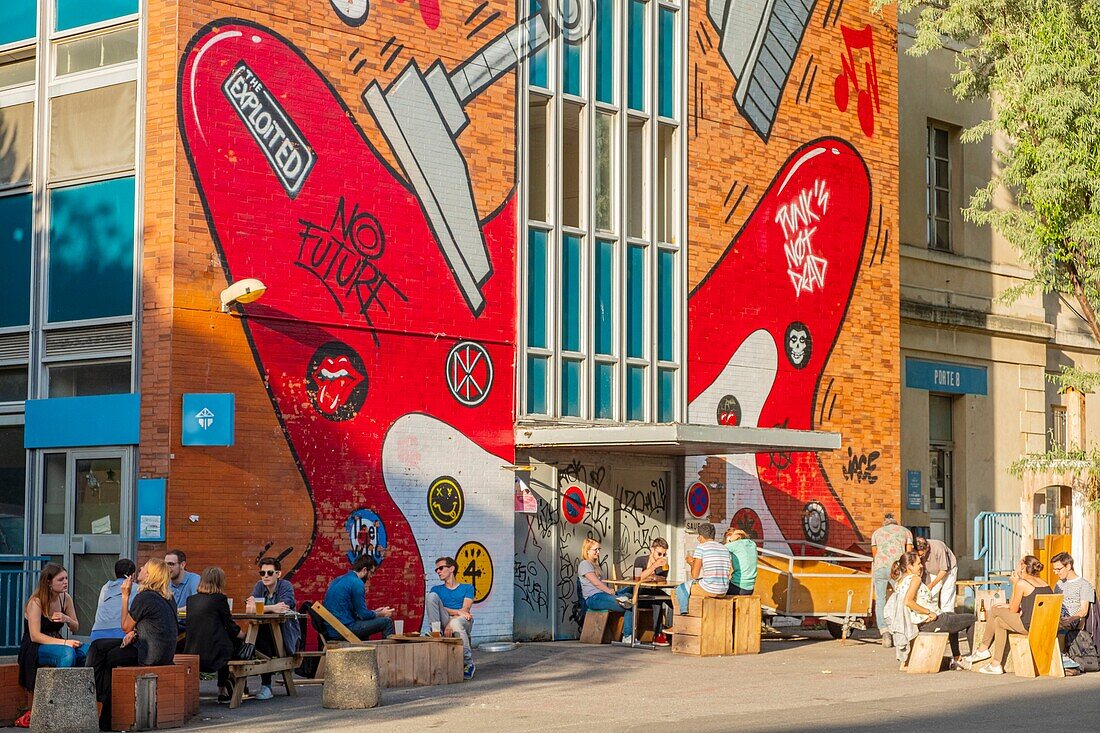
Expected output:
(923, 599)
(714, 570)
(143, 618)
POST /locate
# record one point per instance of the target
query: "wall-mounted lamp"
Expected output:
(242, 291)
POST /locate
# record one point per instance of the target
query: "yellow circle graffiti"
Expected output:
(445, 502)
(476, 568)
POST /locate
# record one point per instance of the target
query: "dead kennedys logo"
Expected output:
(469, 373)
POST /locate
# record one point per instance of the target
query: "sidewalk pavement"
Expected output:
(811, 683)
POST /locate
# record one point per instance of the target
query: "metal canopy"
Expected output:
(674, 439)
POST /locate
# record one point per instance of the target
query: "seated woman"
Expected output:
(108, 614)
(46, 613)
(150, 626)
(923, 609)
(596, 595)
(1013, 617)
(211, 631)
(278, 597)
(744, 555)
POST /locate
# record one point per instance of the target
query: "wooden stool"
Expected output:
(707, 629)
(133, 708)
(601, 627)
(13, 698)
(747, 619)
(1037, 654)
(406, 661)
(926, 653)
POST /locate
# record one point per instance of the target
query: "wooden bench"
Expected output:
(170, 697)
(403, 661)
(1037, 654)
(602, 627)
(13, 698)
(707, 629)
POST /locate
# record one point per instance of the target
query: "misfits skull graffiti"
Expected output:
(798, 345)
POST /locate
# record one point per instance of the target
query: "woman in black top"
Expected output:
(47, 612)
(150, 626)
(211, 631)
(1013, 617)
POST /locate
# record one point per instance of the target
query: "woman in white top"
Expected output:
(923, 609)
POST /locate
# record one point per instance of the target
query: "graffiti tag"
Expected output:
(862, 468)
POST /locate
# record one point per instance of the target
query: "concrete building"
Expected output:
(975, 392)
(638, 258)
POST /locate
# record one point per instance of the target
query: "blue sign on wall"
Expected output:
(938, 376)
(71, 422)
(208, 419)
(151, 509)
(913, 490)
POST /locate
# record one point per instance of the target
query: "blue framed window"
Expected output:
(635, 51)
(605, 307)
(16, 240)
(635, 393)
(666, 395)
(18, 21)
(605, 51)
(604, 391)
(538, 63)
(666, 38)
(666, 267)
(571, 387)
(536, 384)
(571, 293)
(75, 13)
(91, 250)
(635, 302)
(571, 72)
(536, 288)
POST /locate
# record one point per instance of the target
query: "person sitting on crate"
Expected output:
(745, 557)
(711, 569)
(346, 600)
(212, 633)
(652, 566)
(108, 615)
(596, 594)
(1011, 618)
(450, 604)
(923, 608)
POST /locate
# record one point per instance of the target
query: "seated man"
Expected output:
(711, 569)
(346, 600)
(1077, 593)
(108, 614)
(181, 582)
(653, 566)
(449, 604)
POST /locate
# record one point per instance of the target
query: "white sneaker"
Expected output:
(992, 669)
(888, 640)
(264, 693)
(979, 655)
(628, 639)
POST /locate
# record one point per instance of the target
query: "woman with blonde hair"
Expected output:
(596, 594)
(150, 626)
(211, 631)
(47, 612)
(1013, 617)
(744, 556)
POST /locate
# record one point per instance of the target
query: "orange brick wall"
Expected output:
(830, 177)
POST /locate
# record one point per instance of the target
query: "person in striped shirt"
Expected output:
(711, 569)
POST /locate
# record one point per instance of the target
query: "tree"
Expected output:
(1037, 64)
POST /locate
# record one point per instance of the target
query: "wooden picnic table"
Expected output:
(282, 663)
(658, 584)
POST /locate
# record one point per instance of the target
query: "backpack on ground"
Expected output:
(1082, 649)
(308, 667)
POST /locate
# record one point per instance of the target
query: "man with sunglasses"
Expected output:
(449, 604)
(278, 597)
(653, 566)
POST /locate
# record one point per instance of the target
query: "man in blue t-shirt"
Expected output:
(346, 600)
(448, 604)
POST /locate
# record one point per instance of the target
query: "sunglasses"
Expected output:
(441, 568)
(267, 572)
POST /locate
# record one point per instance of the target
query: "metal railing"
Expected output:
(18, 574)
(997, 539)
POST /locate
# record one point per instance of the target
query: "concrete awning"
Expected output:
(674, 439)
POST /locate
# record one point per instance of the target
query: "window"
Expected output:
(939, 189)
(85, 380)
(602, 287)
(18, 21)
(75, 13)
(15, 252)
(1059, 430)
(13, 490)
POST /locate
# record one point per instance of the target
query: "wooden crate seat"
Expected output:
(171, 696)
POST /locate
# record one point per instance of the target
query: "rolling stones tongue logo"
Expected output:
(337, 381)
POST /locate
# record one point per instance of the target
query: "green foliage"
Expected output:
(1079, 469)
(1074, 378)
(1037, 63)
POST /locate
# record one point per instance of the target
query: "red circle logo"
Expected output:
(698, 500)
(572, 505)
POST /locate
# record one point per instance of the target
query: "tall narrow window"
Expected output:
(18, 19)
(16, 221)
(538, 63)
(939, 189)
(602, 292)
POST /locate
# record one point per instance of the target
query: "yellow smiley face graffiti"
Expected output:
(445, 502)
(476, 568)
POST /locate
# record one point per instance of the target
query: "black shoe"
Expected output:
(224, 699)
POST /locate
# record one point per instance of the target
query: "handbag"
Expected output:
(245, 652)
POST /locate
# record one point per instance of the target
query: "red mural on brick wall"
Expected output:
(789, 274)
(386, 335)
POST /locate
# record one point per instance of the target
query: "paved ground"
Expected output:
(794, 685)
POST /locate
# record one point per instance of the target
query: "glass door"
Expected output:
(85, 519)
(939, 493)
